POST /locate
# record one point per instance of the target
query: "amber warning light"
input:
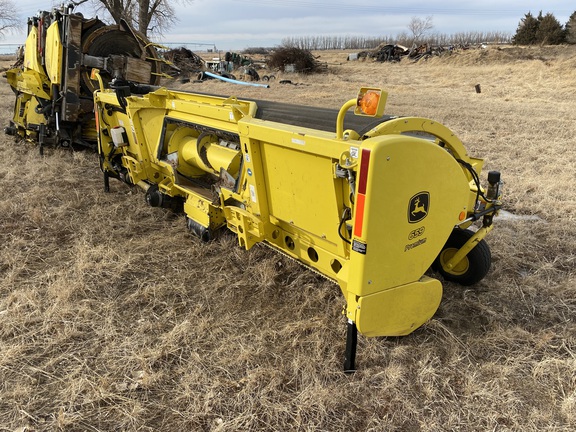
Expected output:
(371, 102)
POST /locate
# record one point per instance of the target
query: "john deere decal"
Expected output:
(418, 207)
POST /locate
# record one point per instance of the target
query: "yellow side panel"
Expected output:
(30, 115)
(301, 191)
(31, 60)
(415, 192)
(148, 129)
(28, 81)
(197, 210)
(398, 311)
(53, 54)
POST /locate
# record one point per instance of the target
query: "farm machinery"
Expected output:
(51, 78)
(370, 202)
(372, 210)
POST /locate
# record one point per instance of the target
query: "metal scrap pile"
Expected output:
(184, 62)
(426, 51)
(395, 53)
(389, 53)
(237, 59)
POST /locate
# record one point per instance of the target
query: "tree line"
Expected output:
(543, 30)
(318, 43)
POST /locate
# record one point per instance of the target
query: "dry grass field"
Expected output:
(114, 318)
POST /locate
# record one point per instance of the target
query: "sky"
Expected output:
(238, 24)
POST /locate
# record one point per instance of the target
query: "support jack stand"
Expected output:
(351, 341)
(106, 181)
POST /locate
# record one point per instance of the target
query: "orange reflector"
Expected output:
(93, 73)
(369, 103)
(462, 215)
(359, 221)
(361, 196)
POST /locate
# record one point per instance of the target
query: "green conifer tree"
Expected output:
(526, 31)
(570, 29)
(550, 31)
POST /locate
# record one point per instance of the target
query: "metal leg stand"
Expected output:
(351, 341)
(41, 138)
(106, 181)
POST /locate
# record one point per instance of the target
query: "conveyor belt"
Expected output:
(323, 119)
(313, 117)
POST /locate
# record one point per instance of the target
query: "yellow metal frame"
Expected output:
(410, 190)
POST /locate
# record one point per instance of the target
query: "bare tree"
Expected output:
(419, 26)
(8, 16)
(154, 15)
(147, 16)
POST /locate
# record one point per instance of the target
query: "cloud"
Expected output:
(237, 24)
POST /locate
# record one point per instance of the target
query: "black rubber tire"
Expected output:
(472, 268)
(203, 233)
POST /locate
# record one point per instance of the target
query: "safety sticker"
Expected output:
(360, 247)
(253, 193)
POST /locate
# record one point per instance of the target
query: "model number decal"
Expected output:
(415, 244)
(416, 233)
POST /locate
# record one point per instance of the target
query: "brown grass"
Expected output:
(112, 317)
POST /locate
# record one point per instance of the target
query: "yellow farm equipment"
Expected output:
(51, 77)
(370, 202)
(372, 210)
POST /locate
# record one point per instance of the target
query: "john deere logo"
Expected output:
(418, 207)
